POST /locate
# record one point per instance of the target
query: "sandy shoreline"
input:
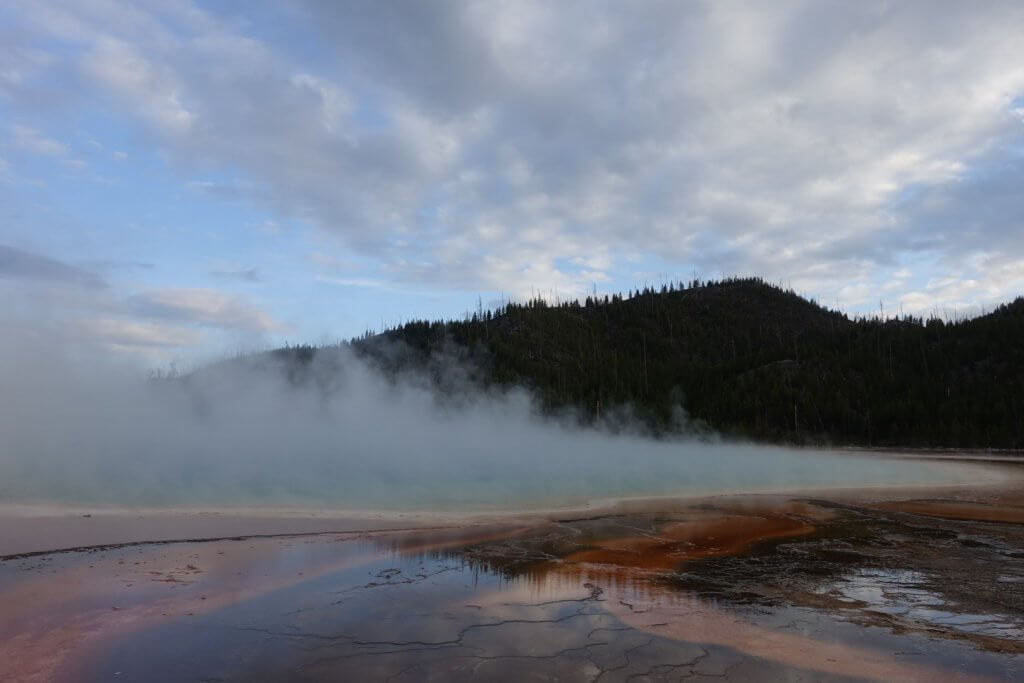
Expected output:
(383, 595)
(27, 530)
(22, 536)
(33, 528)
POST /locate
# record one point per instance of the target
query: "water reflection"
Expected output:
(908, 594)
(748, 589)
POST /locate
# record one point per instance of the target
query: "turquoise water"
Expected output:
(588, 468)
(244, 438)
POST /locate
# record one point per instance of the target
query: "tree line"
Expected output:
(743, 358)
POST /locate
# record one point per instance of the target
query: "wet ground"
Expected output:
(740, 588)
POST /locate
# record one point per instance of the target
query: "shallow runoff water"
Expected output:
(588, 470)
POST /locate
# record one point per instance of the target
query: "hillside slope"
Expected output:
(743, 358)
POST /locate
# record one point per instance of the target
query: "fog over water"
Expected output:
(80, 428)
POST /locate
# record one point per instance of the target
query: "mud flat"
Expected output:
(41, 529)
(869, 585)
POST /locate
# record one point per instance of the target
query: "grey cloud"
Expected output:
(17, 264)
(425, 51)
(110, 265)
(982, 212)
(504, 139)
(75, 307)
(673, 91)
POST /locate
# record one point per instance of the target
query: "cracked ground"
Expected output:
(733, 588)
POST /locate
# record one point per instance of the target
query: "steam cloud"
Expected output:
(88, 431)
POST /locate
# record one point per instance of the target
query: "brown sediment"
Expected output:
(971, 511)
(65, 607)
(433, 540)
(671, 544)
(644, 554)
(131, 588)
(631, 564)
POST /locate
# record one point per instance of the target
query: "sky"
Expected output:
(182, 180)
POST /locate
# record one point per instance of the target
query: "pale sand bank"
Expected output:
(34, 529)
(25, 531)
(597, 590)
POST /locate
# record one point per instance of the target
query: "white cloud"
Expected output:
(27, 138)
(524, 146)
(56, 300)
(364, 283)
(21, 265)
(333, 262)
(151, 89)
(133, 334)
(208, 307)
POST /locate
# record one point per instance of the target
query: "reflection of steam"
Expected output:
(639, 550)
(633, 565)
(672, 544)
(248, 433)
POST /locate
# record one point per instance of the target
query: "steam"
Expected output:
(87, 430)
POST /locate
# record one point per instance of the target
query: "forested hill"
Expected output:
(744, 358)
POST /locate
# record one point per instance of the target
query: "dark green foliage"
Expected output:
(746, 358)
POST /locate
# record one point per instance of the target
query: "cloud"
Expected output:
(72, 306)
(238, 274)
(16, 264)
(365, 283)
(506, 147)
(111, 264)
(30, 139)
(151, 88)
(134, 334)
(333, 262)
(206, 307)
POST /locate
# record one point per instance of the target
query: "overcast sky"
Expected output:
(179, 180)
